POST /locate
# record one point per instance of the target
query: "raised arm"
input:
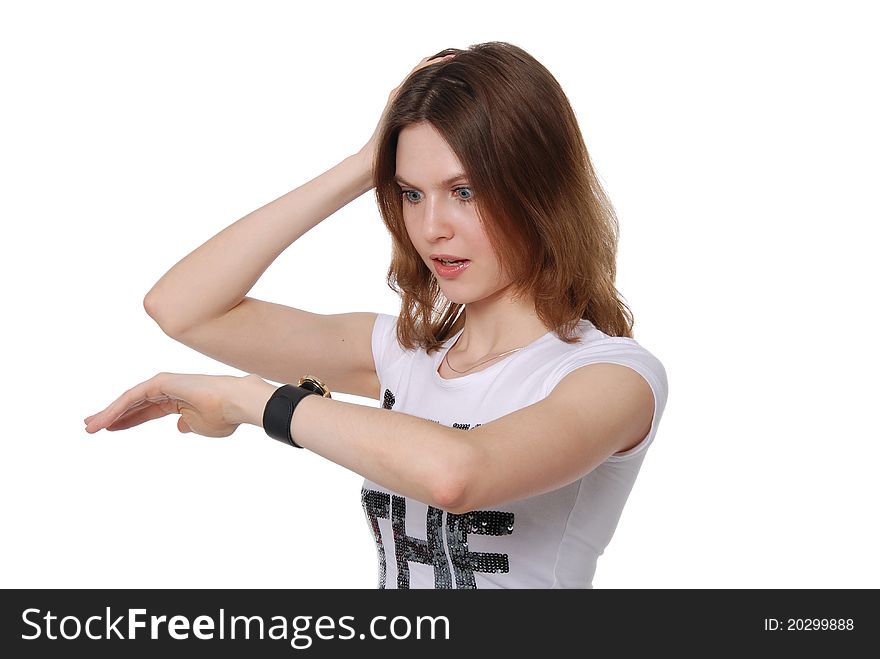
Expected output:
(217, 276)
(202, 301)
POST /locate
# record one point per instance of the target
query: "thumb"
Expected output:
(182, 425)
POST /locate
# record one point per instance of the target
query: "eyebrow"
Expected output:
(452, 179)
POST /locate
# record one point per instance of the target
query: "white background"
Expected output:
(739, 145)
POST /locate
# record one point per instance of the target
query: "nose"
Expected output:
(436, 219)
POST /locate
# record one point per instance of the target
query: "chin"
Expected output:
(459, 297)
(462, 297)
(474, 295)
(456, 299)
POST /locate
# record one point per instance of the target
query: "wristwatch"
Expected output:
(279, 409)
(313, 384)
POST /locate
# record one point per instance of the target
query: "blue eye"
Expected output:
(466, 199)
(470, 194)
(407, 198)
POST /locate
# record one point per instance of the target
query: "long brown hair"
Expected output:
(551, 224)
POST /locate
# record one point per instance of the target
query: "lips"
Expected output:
(448, 257)
(450, 271)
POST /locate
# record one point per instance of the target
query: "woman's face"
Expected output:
(439, 209)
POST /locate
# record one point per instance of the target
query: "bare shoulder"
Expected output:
(622, 392)
(595, 411)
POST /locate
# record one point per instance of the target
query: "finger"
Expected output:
(102, 420)
(432, 58)
(129, 419)
(182, 425)
(153, 407)
(117, 408)
(427, 61)
(131, 399)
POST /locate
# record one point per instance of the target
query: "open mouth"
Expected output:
(447, 268)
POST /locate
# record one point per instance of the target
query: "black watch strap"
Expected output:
(279, 412)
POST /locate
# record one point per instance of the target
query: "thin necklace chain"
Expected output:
(446, 357)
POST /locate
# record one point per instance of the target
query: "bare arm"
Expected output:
(202, 301)
(217, 276)
(595, 411)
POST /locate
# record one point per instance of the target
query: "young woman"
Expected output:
(516, 407)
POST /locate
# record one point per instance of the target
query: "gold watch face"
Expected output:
(325, 390)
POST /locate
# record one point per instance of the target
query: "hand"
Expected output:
(368, 151)
(205, 404)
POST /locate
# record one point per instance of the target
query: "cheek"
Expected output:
(480, 244)
(484, 251)
(410, 230)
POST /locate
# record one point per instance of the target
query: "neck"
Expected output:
(497, 325)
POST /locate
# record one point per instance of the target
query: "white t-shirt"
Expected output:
(548, 541)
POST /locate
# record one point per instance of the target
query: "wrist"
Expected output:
(248, 401)
(364, 163)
